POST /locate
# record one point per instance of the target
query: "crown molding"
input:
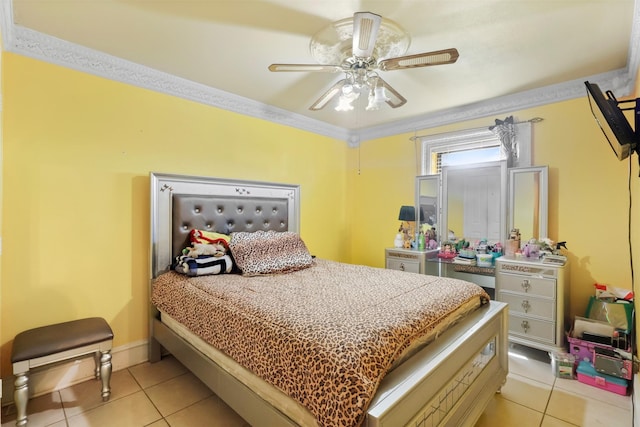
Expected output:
(618, 81)
(621, 82)
(40, 46)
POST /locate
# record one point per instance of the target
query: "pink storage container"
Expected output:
(583, 350)
(588, 375)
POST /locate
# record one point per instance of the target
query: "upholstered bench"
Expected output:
(54, 343)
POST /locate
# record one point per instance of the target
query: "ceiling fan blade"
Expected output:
(395, 99)
(439, 57)
(305, 67)
(328, 96)
(365, 33)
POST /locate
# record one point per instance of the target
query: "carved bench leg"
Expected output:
(104, 372)
(96, 358)
(21, 397)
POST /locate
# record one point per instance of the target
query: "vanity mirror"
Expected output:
(484, 201)
(528, 194)
(474, 202)
(427, 203)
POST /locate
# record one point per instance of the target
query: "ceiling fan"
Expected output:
(359, 47)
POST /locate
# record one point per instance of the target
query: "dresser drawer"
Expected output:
(529, 305)
(533, 329)
(525, 284)
(403, 265)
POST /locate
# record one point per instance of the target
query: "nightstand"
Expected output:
(411, 260)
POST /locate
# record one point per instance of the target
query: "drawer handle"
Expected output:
(401, 266)
(525, 326)
(525, 306)
(525, 285)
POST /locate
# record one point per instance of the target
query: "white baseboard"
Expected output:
(56, 377)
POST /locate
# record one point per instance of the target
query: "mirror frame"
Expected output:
(543, 209)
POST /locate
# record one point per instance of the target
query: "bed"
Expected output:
(444, 376)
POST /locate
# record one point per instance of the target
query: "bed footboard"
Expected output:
(451, 381)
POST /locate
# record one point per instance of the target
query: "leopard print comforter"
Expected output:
(326, 335)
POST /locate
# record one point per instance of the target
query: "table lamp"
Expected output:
(408, 227)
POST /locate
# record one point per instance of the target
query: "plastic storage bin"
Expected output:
(588, 375)
(467, 253)
(583, 350)
(484, 260)
(563, 365)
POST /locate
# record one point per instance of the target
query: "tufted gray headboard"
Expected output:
(180, 203)
(224, 214)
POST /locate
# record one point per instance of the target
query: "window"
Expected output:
(468, 156)
(472, 146)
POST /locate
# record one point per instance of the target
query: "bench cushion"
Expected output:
(60, 337)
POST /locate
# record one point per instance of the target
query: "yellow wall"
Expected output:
(588, 205)
(78, 150)
(1, 184)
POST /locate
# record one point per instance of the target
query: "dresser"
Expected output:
(538, 296)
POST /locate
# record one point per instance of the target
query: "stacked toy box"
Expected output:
(601, 345)
(587, 374)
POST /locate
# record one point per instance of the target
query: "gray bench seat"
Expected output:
(50, 344)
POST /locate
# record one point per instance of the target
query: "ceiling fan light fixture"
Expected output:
(345, 101)
(344, 104)
(372, 105)
(359, 46)
(377, 98)
(380, 94)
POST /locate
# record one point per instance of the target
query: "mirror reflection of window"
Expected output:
(528, 190)
(475, 202)
(525, 207)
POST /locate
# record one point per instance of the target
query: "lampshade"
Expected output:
(377, 98)
(345, 102)
(407, 213)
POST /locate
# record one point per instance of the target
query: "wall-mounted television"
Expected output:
(614, 124)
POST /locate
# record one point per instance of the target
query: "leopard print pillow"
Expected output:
(269, 252)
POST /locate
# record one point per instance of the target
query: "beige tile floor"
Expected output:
(166, 394)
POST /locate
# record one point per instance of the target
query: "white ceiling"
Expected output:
(514, 54)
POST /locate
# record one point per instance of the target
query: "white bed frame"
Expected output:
(449, 382)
